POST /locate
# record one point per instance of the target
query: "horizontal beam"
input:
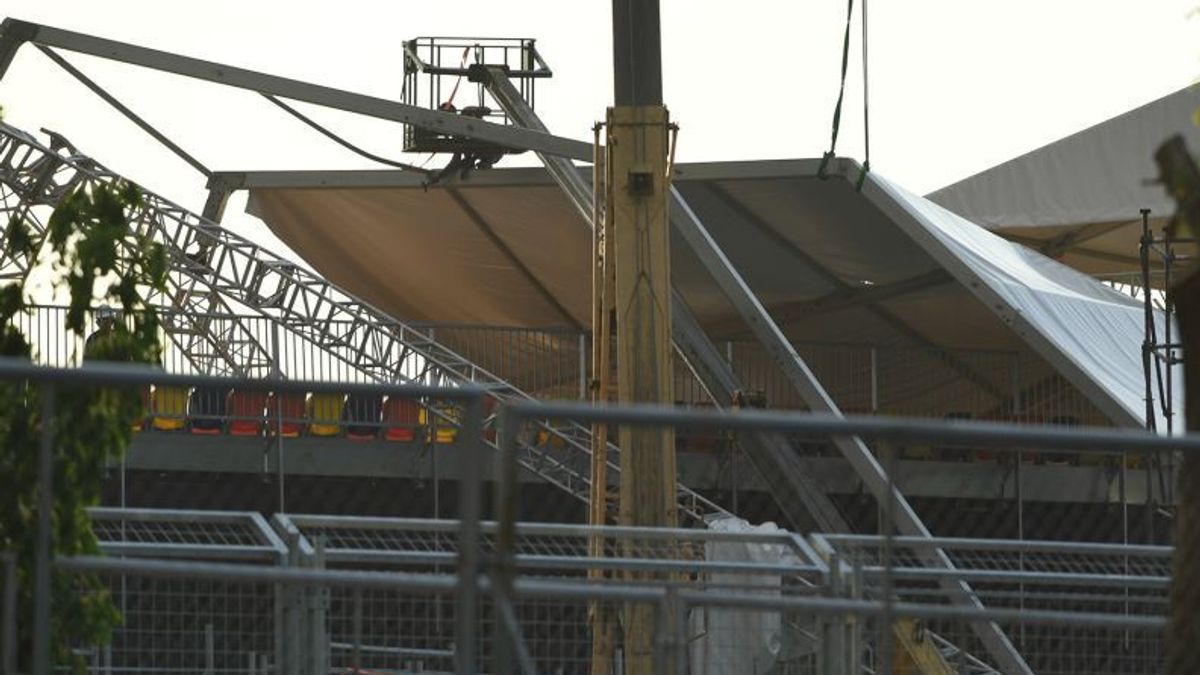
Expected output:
(1007, 437)
(174, 454)
(798, 169)
(13, 33)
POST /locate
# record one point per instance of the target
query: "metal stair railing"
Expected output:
(212, 266)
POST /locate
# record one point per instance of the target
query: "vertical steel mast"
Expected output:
(637, 189)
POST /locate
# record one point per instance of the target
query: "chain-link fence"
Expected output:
(221, 592)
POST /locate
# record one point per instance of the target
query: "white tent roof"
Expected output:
(1079, 198)
(880, 267)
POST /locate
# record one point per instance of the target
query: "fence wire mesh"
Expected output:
(1100, 606)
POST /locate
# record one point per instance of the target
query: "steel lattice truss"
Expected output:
(214, 270)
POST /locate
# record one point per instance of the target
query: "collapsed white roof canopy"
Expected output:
(881, 267)
(1079, 198)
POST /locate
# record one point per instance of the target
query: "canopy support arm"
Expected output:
(14, 33)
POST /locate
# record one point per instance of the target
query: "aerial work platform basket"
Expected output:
(449, 74)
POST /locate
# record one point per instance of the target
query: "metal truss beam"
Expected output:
(13, 33)
(32, 176)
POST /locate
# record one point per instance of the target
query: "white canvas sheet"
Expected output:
(1094, 331)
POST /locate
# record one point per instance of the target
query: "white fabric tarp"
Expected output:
(1067, 316)
(737, 641)
(1080, 197)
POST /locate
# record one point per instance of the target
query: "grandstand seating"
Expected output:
(360, 417)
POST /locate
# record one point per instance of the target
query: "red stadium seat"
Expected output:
(401, 419)
(287, 413)
(246, 410)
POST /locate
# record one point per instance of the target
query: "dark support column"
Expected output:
(637, 53)
(1183, 632)
(1181, 176)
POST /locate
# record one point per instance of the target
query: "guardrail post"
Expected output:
(854, 622)
(505, 480)
(293, 620)
(832, 651)
(317, 605)
(470, 442)
(210, 665)
(43, 556)
(677, 613)
(358, 629)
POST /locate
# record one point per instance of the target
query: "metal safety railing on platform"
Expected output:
(554, 365)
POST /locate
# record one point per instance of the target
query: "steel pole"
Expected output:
(637, 53)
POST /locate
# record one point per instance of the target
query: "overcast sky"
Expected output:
(956, 86)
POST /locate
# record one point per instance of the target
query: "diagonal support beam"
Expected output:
(13, 33)
(696, 348)
(1039, 244)
(1069, 241)
(904, 517)
(792, 487)
(838, 300)
(899, 325)
(480, 222)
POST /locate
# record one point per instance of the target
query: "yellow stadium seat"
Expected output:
(325, 414)
(450, 415)
(170, 404)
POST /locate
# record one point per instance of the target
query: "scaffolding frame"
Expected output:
(1161, 354)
